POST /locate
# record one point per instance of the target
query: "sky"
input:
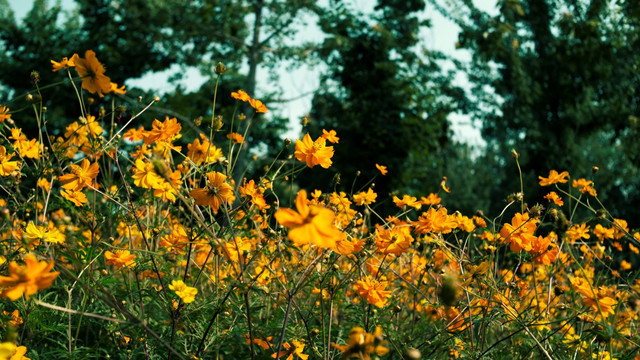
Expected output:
(299, 84)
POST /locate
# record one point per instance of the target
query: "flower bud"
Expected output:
(198, 121)
(287, 142)
(514, 153)
(35, 77)
(304, 121)
(595, 169)
(220, 69)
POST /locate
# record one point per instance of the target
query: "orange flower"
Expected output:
(310, 225)
(258, 106)
(407, 200)
(365, 198)
(27, 279)
(314, 152)
(382, 169)
(4, 113)
(294, 348)
(203, 152)
(553, 197)
(393, 241)
(80, 176)
(162, 130)
(92, 73)
(520, 232)
(435, 221)
(145, 176)
(432, 199)
(217, 192)
(330, 136)
(554, 178)
(240, 95)
(373, 291)
(118, 90)
(64, 64)
(577, 232)
(235, 138)
(586, 186)
(120, 259)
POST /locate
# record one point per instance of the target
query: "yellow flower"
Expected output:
(393, 241)
(7, 166)
(314, 152)
(577, 232)
(92, 73)
(554, 178)
(383, 169)
(203, 152)
(118, 90)
(310, 224)
(586, 186)
(78, 198)
(4, 113)
(217, 192)
(431, 199)
(362, 344)
(294, 348)
(186, 293)
(64, 64)
(144, 175)
(365, 198)
(52, 235)
(27, 279)
(80, 176)
(120, 259)
(407, 200)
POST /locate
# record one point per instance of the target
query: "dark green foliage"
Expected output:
(558, 81)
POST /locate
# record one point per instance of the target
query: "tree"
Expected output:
(558, 81)
(387, 100)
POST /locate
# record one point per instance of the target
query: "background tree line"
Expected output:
(554, 79)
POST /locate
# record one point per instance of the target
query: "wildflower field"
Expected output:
(121, 241)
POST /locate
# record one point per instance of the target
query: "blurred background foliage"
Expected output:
(557, 80)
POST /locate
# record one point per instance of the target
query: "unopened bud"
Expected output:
(217, 123)
(121, 109)
(413, 354)
(304, 121)
(220, 68)
(287, 142)
(198, 121)
(514, 153)
(35, 77)
(595, 169)
(156, 98)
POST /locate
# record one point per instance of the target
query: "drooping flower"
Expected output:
(258, 106)
(431, 199)
(120, 258)
(310, 224)
(331, 136)
(554, 178)
(236, 138)
(92, 73)
(407, 200)
(586, 186)
(186, 293)
(118, 90)
(4, 113)
(314, 152)
(362, 345)
(216, 193)
(383, 169)
(27, 279)
(81, 176)
(240, 95)
(64, 64)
